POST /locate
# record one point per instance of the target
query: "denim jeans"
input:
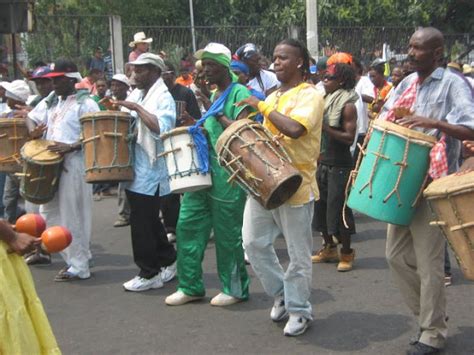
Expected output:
(259, 231)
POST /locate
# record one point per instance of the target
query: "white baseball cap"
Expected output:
(122, 78)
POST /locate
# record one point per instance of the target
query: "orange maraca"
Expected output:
(30, 223)
(54, 239)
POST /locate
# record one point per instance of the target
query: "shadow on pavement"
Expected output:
(461, 343)
(352, 331)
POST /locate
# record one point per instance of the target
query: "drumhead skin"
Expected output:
(392, 174)
(451, 199)
(37, 150)
(105, 115)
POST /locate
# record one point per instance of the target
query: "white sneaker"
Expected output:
(171, 237)
(224, 300)
(278, 312)
(168, 273)
(179, 298)
(296, 325)
(246, 258)
(139, 284)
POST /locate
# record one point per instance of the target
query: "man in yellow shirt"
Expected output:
(295, 113)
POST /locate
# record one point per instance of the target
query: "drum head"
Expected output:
(449, 184)
(38, 150)
(9, 122)
(106, 115)
(233, 128)
(382, 125)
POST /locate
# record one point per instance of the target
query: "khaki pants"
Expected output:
(415, 255)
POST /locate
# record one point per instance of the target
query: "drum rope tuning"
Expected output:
(192, 169)
(15, 157)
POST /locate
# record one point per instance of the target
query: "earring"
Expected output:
(299, 66)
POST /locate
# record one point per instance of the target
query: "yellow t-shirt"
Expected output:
(305, 105)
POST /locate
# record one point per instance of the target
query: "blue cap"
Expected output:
(39, 72)
(313, 69)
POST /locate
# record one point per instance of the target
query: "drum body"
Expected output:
(13, 134)
(182, 162)
(392, 173)
(258, 163)
(41, 171)
(107, 146)
(452, 200)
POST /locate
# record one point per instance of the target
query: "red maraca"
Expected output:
(54, 239)
(30, 223)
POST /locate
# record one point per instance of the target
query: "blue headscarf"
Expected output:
(237, 65)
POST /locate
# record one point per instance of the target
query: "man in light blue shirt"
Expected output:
(154, 111)
(415, 254)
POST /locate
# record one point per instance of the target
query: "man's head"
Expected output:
(397, 75)
(95, 74)
(140, 42)
(43, 85)
(291, 60)
(101, 87)
(376, 73)
(216, 60)
(339, 76)
(250, 55)
(119, 86)
(241, 70)
(147, 68)
(169, 75)
(98, 52)
(65, 76)
(16, 92)
(426, 50)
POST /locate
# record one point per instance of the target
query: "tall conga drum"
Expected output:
(13, 134)
(39, 180)
(108, 146)
(392, 173)
(452, 200)
(258, 163)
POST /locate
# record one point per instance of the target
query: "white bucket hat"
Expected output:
(17, 90)
(140, 37)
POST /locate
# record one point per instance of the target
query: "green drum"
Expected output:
(392, 173)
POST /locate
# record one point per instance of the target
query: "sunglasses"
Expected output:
(330, 77)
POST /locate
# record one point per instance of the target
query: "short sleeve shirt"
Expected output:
(304, 105)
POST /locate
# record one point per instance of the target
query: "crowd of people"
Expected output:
(320, 110)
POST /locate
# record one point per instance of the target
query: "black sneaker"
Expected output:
(422, 349)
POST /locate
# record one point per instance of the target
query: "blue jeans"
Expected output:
(259, 231)
(3, 176)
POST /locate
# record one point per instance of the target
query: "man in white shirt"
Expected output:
(58, 117)
(261, 80)
(155, 113)
(365, 89)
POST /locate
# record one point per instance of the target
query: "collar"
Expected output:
(437, 74)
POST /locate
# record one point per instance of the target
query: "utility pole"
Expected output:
(312, 27)
(193, 34)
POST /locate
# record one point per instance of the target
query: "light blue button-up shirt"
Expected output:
(148, 176)
(442, 96)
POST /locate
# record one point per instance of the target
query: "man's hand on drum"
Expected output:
(22, 111)
(413, 121)
(132, 106)
(38, 131)
(468, 148)
(186, 119)
(61, 148)
(467, 166)
(251, 101)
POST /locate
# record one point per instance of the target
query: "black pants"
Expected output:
(169, 206)
(151, 249)
(327, 217)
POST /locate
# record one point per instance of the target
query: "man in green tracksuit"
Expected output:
(218, 208)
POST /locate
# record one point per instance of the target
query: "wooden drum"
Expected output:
(41, 171)
(107, 146)
(13, 134)
(452, 200)
(258, 163)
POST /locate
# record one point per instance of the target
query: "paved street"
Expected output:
(359, 312)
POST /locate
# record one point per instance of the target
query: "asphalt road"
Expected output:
(359, 312)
